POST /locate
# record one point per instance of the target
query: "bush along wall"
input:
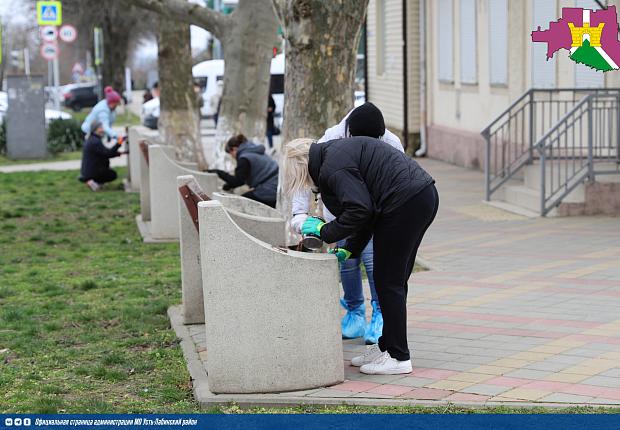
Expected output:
(64, 135)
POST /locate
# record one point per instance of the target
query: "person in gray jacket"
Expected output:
(254, 168)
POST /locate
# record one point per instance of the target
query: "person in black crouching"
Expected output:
(95, 170)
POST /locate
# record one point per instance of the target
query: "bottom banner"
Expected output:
(313, 421)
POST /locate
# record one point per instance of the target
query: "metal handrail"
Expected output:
(513, 137)
(540, 144)
(487, 129)
(601, 112)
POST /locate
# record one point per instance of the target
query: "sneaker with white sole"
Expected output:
(93, 185)
(372, 353)
(386, 365)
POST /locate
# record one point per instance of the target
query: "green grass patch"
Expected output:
(446, 409)
(78, 292)
(63, 156)
(123, 118)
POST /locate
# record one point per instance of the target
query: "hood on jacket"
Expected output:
(315, 160)
(251, 148)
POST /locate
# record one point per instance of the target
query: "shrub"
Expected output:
(64, 135)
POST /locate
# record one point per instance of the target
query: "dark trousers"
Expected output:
(103, 177)
(397, 237)
(252, 196)
(270, 137)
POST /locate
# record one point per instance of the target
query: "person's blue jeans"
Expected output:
(351, 276)
(270, 137)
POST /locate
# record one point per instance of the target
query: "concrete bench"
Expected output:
(163, 225)
(136, 135)
(261, 221)
(267, 226)
(272, 316)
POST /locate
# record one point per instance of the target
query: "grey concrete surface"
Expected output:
(257, 219)
(137, 134)
(272, 316)
(163, 172)
(191, 274)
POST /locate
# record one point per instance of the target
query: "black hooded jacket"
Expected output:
(360, 179)
(96, 157)
(254, 168)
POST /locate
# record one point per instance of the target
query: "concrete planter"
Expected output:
(273, 320)
(163, 171)
(255, 218)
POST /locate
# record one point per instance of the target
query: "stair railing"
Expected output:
(511, 138)
(584, 143)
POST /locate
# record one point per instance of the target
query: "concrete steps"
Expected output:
(523, 196)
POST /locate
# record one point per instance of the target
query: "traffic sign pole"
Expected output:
(56, 84)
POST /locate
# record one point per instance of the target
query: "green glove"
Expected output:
(312, 226)
(341, 253)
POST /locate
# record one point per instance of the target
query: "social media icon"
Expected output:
(8, 422)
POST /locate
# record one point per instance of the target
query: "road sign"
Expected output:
(49, 33)
(49, 13)
(50, 51)
(68, 33)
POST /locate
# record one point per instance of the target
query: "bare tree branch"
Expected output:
(191, 13)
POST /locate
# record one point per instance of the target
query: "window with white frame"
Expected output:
(498, 42)
(445, 41)
(543, 71)
(467, 36)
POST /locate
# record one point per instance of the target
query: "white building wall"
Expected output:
(386, 89)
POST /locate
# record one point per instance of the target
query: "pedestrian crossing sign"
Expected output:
(49, 12)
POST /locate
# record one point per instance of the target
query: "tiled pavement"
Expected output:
(514, 310)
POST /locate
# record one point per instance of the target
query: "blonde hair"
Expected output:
(296, 176)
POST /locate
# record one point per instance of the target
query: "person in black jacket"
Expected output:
(254, 168)
(271, 110)
(95, 170)
(372, 189)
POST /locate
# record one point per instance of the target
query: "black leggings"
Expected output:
(252, 196)
(103, 177)
(397, 237)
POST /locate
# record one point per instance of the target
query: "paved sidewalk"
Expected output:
(514, 311)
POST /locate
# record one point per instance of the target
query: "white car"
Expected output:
(50, 114)
(209, 73)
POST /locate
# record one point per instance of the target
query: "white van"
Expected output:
(208, 73)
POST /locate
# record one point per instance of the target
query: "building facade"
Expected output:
(467, 61)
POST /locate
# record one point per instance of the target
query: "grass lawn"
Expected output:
(83, 324)
(63, 156)
(122, 119)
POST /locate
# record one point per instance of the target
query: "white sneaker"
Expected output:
(93, 185)
(386, 365)
(372, 353)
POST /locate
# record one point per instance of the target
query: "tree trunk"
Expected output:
(322, 38)
(115, 48)
(248, 35)
(179, 121)
(247, 48)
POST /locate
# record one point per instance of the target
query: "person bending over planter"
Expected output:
(364, 120)
(254, 168)
(95, 170)
(372, 189)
